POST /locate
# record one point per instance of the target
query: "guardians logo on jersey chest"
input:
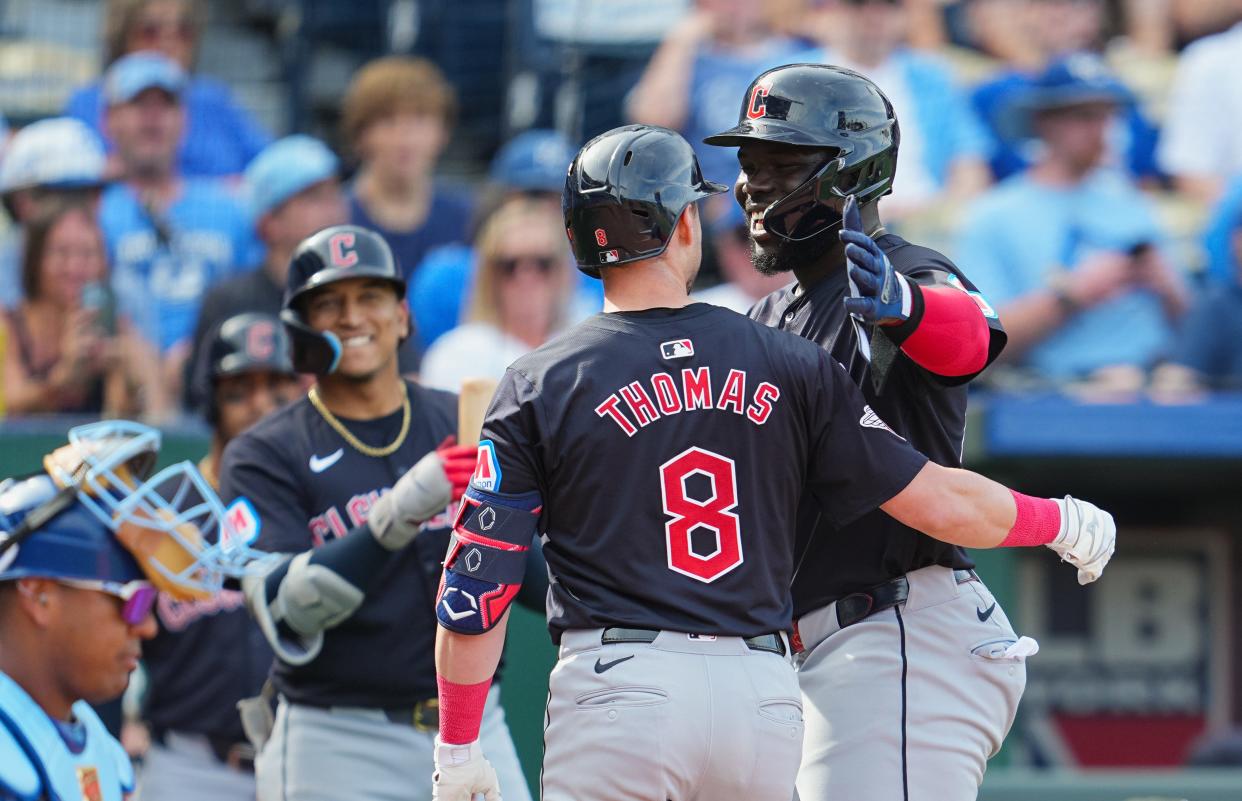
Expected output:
(638, 404)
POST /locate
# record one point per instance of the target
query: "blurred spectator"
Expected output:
(294, 191)
(1219, 234)
(1069, 253)
(1208, 350)
(742, 284)
(532, 165)
(1066, 29)
(210, 654)
(519, 299)
(396, 118)
(222, 136)
(50, 161)
(66, 349)
(942, 143)
(696, 79)
(1200, 146)
(169, 237)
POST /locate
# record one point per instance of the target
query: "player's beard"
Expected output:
(790, 254)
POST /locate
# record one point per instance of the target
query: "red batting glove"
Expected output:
(458, 462)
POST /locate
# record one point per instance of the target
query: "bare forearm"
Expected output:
(955, 506)
(470, 658)
(663, 92)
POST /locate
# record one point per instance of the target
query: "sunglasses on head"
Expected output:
(509, 266)
(137, 597)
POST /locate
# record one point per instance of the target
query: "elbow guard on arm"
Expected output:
(486, 559)
(296, 600)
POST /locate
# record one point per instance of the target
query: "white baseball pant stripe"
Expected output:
(910, 703)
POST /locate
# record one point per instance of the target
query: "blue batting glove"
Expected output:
(878, 293)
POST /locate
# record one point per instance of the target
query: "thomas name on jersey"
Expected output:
(670, 395)
(331, 524)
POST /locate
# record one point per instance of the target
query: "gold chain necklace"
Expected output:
(347, 435)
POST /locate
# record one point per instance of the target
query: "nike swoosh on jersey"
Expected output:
(601, 666)
(318, 464)
(984, 614)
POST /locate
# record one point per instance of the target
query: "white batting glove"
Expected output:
(423, 492)
(1087, 538)
(463, 774)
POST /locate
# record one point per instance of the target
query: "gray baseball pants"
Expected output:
(909, 703)
(185, 769)
(356, 754)
(677, 719)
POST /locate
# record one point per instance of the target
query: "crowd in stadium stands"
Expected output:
(1078, 158)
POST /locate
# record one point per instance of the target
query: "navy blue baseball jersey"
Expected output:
(309, 486)
(669, 448)
(207, 656)
(926, 409)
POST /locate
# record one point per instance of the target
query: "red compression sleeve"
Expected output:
(952, 337)
(461, 710)
(1038, 522)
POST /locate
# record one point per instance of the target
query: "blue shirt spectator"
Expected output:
(221, 136)
(447, 221)
(696, 80)
(1020, 235)
(1132, 139)
(164, 262)
(1210, 342)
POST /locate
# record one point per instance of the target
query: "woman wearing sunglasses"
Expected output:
(521, 296)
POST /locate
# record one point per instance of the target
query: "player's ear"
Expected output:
(688, 230)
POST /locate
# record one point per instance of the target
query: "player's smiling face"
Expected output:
(770, 171)
(368, 318)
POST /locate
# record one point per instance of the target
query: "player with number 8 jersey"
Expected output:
(660, 449)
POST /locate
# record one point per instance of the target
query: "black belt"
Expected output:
(769, 643)
(237, 755)
(859, 605)
(424, 715)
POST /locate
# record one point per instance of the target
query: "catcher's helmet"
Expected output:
(624, 193)
(822, 106)
(244, 343)
(94, 514)
(333, 254)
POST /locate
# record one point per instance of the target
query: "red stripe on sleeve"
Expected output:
(952, 338)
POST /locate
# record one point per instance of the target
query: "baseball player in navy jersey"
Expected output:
(209, 654)
(85, 546)
(911, 673)
(353, 483)
(660, 449)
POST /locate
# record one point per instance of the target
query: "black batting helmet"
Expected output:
(625, 191)
(244, 343)
(822, 106)
(333, 254)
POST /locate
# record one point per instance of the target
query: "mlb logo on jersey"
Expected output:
(487, 468)
(609, 256)
(677, 349)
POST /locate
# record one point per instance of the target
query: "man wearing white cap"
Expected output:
(293, 190)
(48, 161)
(170, 237)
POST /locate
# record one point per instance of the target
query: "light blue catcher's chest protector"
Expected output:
(35, 762)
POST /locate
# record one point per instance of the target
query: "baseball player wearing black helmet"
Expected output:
(910, 671)
(209, 654)
(660, 449)
(353, 483)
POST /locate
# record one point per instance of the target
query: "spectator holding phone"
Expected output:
(1068, 251)
(66, 352)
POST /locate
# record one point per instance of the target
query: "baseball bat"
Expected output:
(476, 395)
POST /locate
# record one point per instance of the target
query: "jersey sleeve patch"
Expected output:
(487, 469)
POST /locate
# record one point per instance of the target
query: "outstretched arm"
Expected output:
(967, 509)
